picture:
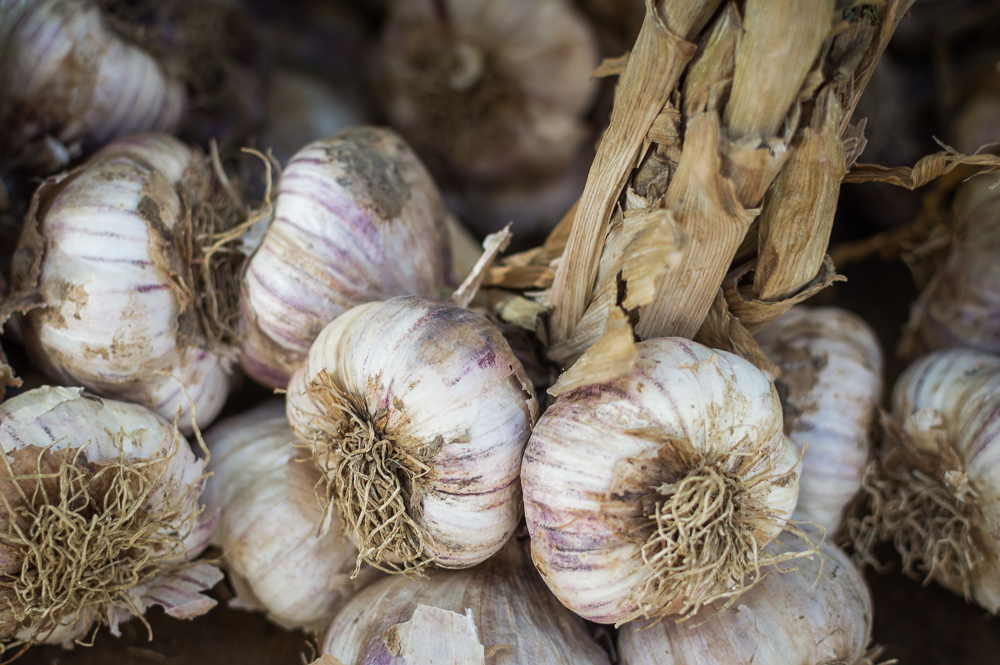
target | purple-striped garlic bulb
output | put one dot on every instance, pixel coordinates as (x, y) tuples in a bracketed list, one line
[(498, 613), (816, 610), (487, 89), (132, 306), (357, 218), (270, 523), (72, 83), (933, 489), (417, 414), (654, 493), (100, 517), (830, 388)]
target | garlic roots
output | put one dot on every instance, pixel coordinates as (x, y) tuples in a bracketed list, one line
[(100, 517), (830, 387), (357, 218), (417, 414), (653, 494)]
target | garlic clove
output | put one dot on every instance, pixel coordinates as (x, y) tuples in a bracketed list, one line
[(357, 218), (424, 406), (618, 478)]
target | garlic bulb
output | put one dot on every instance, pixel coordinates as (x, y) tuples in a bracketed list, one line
[(487, 89), (830, 387), (498, 612), (103, 519), (269, 523), (652, 494), (817, 611), (357, 218), (130, 310), (934, 489), (417, 413), (71, 83)]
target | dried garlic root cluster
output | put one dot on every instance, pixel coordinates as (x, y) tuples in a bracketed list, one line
[(100, 517)]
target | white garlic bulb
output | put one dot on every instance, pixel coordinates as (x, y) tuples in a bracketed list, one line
[(499, 612), (113, 260), (357, 218), (270, 521), (934, 489), (817, 611), (487, 89), (103, 521), (417, 413), (71, 83), (652, 494), (830, 387)]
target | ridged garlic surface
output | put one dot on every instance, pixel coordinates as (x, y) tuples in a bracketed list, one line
[(269, 523), (487, 89), (830, 387), (417, 413), (71, 83), (651, 494), (114, 525), (817, 611), (119, 313), (357, 218), (498, 613)]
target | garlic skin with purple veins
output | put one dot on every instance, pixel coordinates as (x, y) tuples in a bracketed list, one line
[(817, 611), (108, 517), (357, 218), (652, 494), (129, 310), (417, 414), (269, 523), (830, 387), (71, 83)]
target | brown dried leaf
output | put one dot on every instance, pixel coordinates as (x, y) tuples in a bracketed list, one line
[(722, 330), (611, 66), (492, 246), (927, 168), (611, 356)]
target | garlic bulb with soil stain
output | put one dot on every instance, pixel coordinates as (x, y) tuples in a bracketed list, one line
[(100, 517), (830, 388), (72, 83), (132, 304), (269, 523), (653, 494), (816, 611), (933, 489), (417, 414), (357, 218), (499, 612), (487, 89)]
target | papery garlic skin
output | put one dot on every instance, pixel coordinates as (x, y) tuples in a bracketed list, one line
[(107, 431), (269, 523), (444, 382), (830, 387), (116, 317), (948, 401), (498, 612), (357, 218), (71, 83), (591, 463), (817, 611)]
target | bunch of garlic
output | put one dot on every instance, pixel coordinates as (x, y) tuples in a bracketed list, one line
[(100, 517), (653, 494), (830, 387), (131, 307), (417, 414), (269, 524), (357, 218), (499, 612), (818, 610), (933, 489), (71, 83), (487, 89)]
